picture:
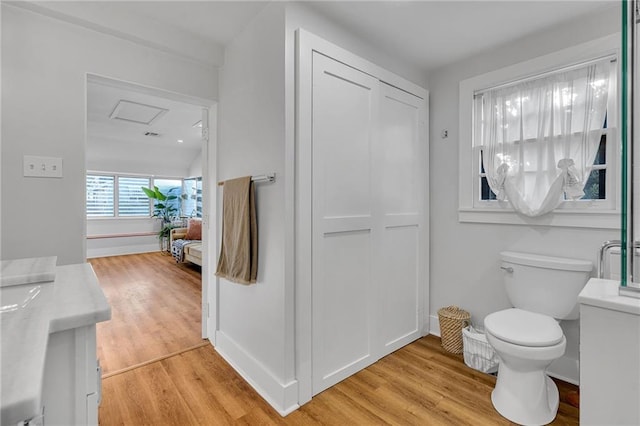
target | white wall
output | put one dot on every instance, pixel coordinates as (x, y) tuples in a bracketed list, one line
[(44, 67), (300, 15), (111, 155), (464, 256), (251, 323), (195, 169)]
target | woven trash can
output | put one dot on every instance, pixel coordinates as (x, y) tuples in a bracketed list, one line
[(452, 321)]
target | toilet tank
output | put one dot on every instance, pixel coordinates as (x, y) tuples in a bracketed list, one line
[(545, 284)]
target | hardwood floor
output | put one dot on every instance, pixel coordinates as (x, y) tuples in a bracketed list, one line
[(420, 384), (155, 305)]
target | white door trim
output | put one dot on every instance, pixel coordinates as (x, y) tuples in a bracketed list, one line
[(210, 282)]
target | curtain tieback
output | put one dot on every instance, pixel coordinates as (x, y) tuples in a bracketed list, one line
[(572, 186), (501, 177)]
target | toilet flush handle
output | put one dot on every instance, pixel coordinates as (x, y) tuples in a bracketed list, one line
[(509, 269)]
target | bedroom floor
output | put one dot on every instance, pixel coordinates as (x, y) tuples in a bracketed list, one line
[(156, 309)]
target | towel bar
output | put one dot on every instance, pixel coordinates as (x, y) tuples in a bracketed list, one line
[(271, 177)]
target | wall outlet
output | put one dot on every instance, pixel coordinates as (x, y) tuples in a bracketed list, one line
[(34, 166)]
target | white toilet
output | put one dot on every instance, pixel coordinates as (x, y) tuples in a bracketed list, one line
[(527, 337)]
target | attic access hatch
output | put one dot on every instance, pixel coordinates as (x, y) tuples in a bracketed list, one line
[(134, 112)]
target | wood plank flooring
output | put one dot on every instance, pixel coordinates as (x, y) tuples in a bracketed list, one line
[(420, 384), (155, 308)]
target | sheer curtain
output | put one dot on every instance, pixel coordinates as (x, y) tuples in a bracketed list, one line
[(540, 137)]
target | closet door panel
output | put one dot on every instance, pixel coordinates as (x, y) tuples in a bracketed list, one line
[(342, 134), (398, 287), (399, 162), (400, 152), (344, 337), (343, 293)]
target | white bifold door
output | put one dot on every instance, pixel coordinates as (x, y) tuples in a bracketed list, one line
[(369, 242)]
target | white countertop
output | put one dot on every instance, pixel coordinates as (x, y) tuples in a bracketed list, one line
[(30, 313), (27, 271), (604, 294)]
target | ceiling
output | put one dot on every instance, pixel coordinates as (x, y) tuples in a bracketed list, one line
[(432, 34), (115, 140), (428, 34)]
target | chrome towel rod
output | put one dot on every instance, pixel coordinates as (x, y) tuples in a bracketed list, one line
[(271, 177)]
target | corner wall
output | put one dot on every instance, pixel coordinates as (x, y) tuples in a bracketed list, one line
[(44, 67), (251, 319), (465, 256)]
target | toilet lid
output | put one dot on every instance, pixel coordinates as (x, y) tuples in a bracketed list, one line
[(523, 328)]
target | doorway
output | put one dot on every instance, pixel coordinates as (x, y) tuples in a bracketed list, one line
[(143, 137)]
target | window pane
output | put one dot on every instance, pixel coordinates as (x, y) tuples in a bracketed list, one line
[(171, 187), (601, 156), (595, 189), (131, 200), (485, 190), (100, 196), (192, 198)]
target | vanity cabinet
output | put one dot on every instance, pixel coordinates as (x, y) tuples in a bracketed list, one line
[(609, 353), (49, 372), (72, 378)]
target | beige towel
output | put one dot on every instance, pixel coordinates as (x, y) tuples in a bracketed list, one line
[(238, 260)]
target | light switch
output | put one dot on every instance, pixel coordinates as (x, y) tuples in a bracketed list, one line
[(34, 166)]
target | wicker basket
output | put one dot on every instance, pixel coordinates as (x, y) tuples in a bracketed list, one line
[(478, 353), (452, 321)]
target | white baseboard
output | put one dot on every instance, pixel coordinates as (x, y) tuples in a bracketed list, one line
[(565, 368), (434, 325), (121, 250), (282, 397)]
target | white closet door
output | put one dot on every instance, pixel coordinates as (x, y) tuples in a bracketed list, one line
[(399, 162), (345, 103)]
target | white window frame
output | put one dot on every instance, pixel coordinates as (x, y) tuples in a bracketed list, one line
[(603, 214)]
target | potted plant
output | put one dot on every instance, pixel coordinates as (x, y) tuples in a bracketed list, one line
[(164, 210)]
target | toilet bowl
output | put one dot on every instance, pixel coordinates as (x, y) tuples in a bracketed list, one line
[(527, 337), (526, 343)]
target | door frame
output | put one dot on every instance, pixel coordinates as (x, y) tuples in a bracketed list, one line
[(301, 163), (209, 150)]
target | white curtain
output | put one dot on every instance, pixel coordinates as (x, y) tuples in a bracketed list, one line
[(540, 137)]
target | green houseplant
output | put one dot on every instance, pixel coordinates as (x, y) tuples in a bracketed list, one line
[(163, 209)]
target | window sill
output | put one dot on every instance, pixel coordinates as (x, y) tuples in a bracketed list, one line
[(603, 219), (99, 218)]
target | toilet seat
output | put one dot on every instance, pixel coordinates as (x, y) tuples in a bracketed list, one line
[(524, 328)]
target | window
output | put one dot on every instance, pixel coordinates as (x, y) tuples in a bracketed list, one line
[(113, 195), (594, 189), (597, 208), (131, 200), (171, 187), (100, 196)]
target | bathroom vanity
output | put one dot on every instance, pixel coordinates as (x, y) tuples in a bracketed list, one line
[(609, 354), (49, 368)]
